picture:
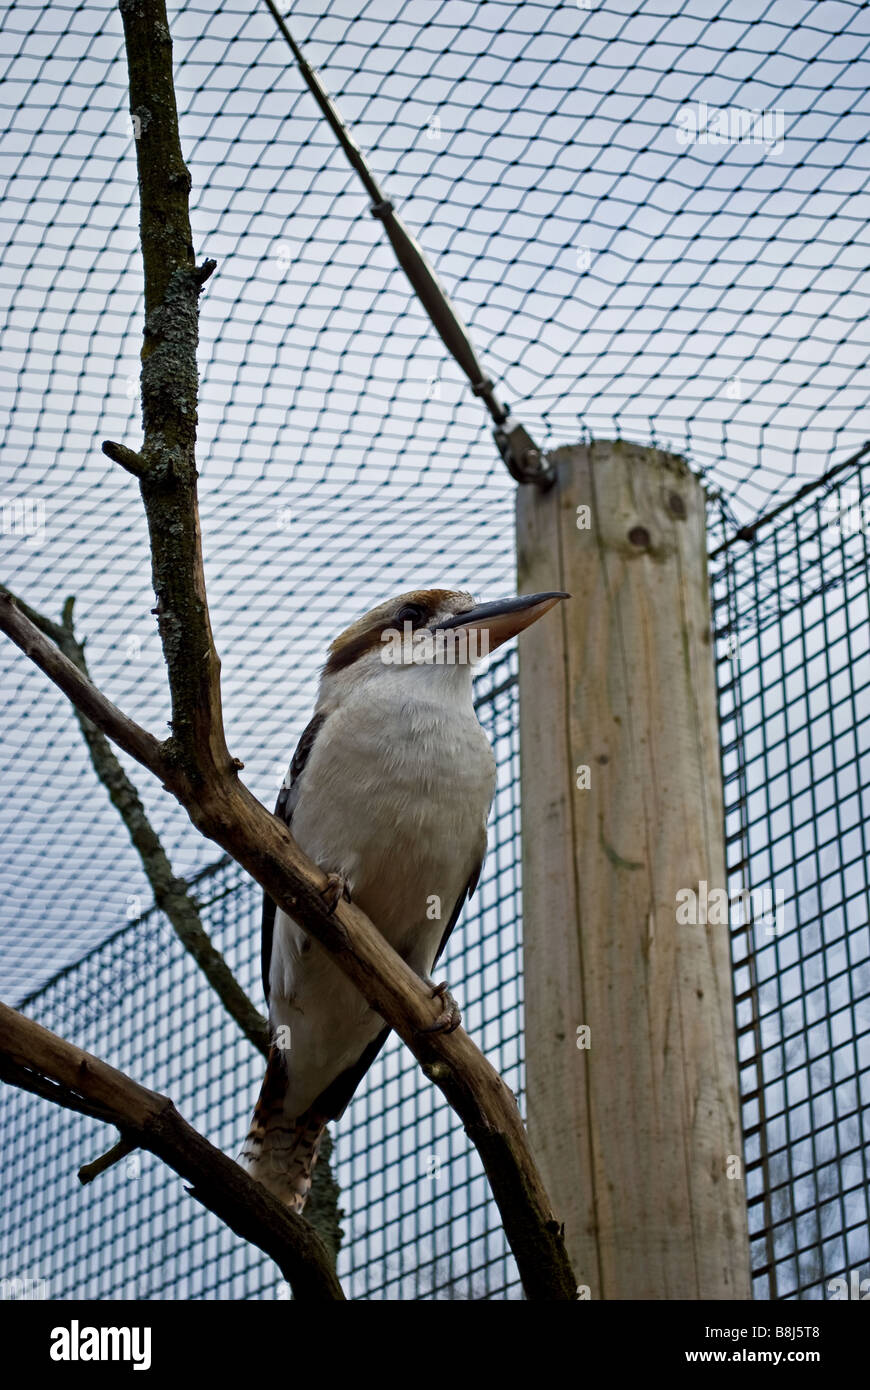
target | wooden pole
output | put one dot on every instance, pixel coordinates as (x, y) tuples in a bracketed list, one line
[(632, 1087)]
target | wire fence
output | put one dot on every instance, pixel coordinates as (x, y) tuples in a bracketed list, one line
[(633, 257), (793, 625)]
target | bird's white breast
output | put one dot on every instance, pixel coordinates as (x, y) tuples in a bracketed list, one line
[(395, 795)]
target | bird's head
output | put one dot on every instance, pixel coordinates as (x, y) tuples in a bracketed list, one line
[(430, 629)]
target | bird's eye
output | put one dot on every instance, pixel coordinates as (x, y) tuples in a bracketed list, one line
[(411, 613)]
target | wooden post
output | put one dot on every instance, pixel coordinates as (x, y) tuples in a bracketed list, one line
[(635, 1122)]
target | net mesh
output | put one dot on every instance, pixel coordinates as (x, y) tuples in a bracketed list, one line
[(617, 276), (651, 220)]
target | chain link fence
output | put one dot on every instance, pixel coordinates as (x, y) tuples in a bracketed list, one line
[(793, 625), (651, 223)]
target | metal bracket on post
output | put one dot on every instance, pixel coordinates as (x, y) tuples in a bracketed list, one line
[(523, 458)]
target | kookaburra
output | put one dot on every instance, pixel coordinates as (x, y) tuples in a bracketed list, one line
[(389, 792)]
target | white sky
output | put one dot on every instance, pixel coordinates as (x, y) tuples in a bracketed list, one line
[(612, 280)]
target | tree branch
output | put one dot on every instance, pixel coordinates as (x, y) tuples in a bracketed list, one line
[(128, 458), (41, 1062), (141, 745), (170, 893), (115, 1154), (169, 395), (223, 809)]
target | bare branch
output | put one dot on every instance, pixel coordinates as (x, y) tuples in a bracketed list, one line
[(128, 458), (169, 394), (43, 652), (224, 810), (171, 894), (173, 898), (33, 1057)]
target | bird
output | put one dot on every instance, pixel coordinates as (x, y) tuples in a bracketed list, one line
[(389, 792)]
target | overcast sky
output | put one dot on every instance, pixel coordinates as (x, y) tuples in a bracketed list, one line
[(704, 296)]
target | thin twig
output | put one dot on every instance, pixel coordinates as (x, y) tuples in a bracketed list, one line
[(141, 745), (173, 897), (170, 893), (115, 1154)]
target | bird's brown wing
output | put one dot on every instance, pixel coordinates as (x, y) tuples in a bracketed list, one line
[(335, 1099), (460, 903), (284, 807)]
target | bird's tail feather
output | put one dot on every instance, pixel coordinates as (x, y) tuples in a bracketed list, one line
[(279, 1151)]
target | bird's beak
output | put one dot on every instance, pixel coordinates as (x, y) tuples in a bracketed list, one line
[(504, 618)]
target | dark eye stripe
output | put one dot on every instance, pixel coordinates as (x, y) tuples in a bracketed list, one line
[(411, 612)]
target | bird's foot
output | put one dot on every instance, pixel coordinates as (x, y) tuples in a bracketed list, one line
[(450, 1018), (336, 889)]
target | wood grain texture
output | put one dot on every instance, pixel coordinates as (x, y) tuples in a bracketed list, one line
[(634, 1134)]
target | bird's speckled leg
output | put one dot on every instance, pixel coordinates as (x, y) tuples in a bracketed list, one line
[(450, 1018)]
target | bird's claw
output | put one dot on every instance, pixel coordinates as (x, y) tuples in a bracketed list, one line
[(336, 889), (450, 1018)]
